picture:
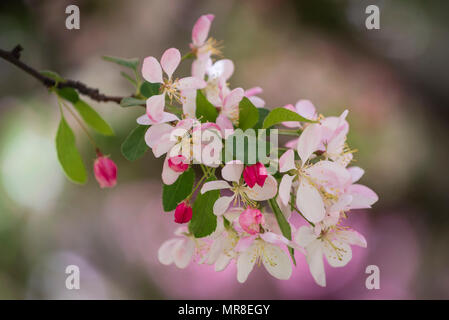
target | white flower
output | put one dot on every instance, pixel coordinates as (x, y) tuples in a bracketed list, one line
[(333, 243), (179, 251), (232, 172)]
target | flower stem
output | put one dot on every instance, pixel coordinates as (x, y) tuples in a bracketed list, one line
[(290, 132)]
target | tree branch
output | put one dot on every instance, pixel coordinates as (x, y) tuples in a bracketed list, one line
[(13, 57)]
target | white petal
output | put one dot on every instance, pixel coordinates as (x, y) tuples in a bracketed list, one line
[(329, 174), (156, 132), (315, 260), (287, 161), (183, 253), (266, 192), (304, 236), (309, 202), (222, 262), (245, 263), (215, 185), (234, 98), (232, 171), (169, 176), (352, 237), (165, 253), (306, 109), (285, 209), (199, 67), (191, 83), (308, 142), (155, 107), (151, 70), (356, 173), (342, 204), (189, 104), (285, 188), (166, 117), (362, 196), (257, 101), (339, 254), (170, 61), (222, 204), (215, 250), (222, 69), (277, 262)]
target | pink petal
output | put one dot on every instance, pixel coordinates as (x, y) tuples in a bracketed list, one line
[(170, 61), (169, 176), (329, 174), (151, 70), (191, 83), (233, 98), (257, 102), (362, 196), (167, 117), (291, 124), (225, 124), (306, 109), (356, 173), (287, 161), (155, 107), (201, 29), (308, 142), (156, 132), (253, 91)]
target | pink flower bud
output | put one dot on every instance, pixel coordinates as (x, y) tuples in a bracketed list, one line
[(178, 163), (257, 173), (183, 213), (250, 220), (105, 171)]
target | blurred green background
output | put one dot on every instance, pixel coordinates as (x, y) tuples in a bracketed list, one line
[(394, 81)]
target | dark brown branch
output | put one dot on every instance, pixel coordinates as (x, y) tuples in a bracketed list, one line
[(13, 57)]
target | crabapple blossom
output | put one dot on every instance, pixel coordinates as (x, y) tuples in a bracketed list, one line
[(183, 213), (256, 173), (252, 93), (250, 220), (179, 251), (334, 243)]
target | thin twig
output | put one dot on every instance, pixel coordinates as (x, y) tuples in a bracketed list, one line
[(13, 57)]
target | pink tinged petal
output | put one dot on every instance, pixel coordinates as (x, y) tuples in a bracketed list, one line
[(215, 250), (151, 70), (308, 142), (215, 185), (178, 163), (155, 108), (183, 253), (291, 124), (233, 98), (169, 176), (156, 132), (304, 236), (166, 117), (362, 196), (224, 123), (244, 243), (306, 109), (339, 254), (189, 104), (284, 189), (200, 30), (266, 192), (191, 83), (329, 174), (342, 204), (356, 173), (222, 204), (200, 66), (222, 69), (315, 261), (287, 161), (105, 172), (250, 220), (274, 238), (336, 145), (232, 171), (277, 262), (257, 102), (170, 61), (352, 237), (309, 202), (245, 263), (222, 262), (165, 252), (253, 91)]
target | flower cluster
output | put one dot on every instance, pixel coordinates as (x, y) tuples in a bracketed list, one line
[(235, 210)]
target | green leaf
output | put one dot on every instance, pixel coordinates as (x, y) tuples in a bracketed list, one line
[(283, 225), (279, 115), (52, 75), (178, 191), (134, 145), (248, 114), (68, 94), (148, 89), (205, 111), (68, 154), (204, 221), (128, 77), (131, 102), (262, 115), (129, 63), (92, 118)]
